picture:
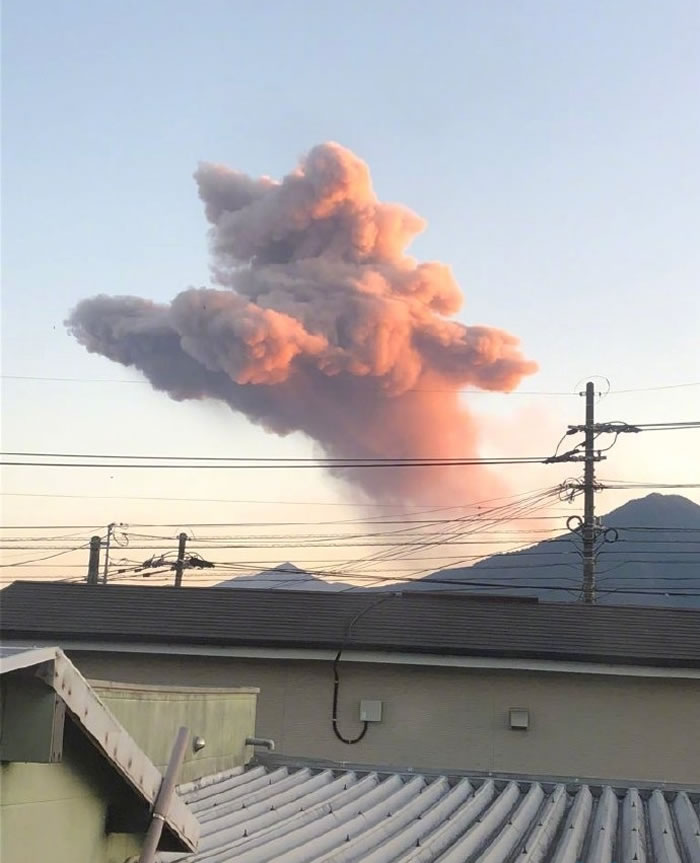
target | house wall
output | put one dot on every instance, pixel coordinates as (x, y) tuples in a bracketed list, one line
[(152, 715), (581, 725), (58, 811)]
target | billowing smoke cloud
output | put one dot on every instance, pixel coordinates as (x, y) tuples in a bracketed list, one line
[(321, 324)]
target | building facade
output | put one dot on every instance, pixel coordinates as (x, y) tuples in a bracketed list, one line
[(598, 723), (406, 681)]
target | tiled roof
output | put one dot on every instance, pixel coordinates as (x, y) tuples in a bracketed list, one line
[(271, 813), (409, 622)]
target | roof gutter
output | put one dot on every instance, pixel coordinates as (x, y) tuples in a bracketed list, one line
[(377, 657)]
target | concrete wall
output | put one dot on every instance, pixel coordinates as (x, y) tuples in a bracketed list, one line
[(587, 726), (152, 715), (58, 812)]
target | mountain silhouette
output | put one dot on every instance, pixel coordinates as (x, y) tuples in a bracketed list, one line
[(285, 576), (648, 553)]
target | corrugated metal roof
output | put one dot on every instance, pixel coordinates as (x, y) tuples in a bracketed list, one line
[(270, 813), (15, 658), (411, 622)]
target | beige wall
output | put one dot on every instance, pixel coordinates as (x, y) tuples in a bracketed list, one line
[(58, 811), (152, 715), (581, 725)]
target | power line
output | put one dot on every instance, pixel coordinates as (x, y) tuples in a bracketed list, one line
[(186, 523), (58, 538), (309, 576), (249, 569), (438, 586), (48, 556), (670, 426), (478, 514), (249, 524), (400, 582), (617, 427), (259, 462), (330, 542), (357, 505), (73, 380), (417, 389), (470, 390), (410, 390), (614, 485), (287, 466), (452, 531), (655, 388), (465, 525)]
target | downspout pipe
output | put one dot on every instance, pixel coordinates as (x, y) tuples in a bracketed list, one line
[(264, 742)]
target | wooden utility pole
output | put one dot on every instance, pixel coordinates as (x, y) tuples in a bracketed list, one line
[(180, 562), (589, 526), (93, 573)]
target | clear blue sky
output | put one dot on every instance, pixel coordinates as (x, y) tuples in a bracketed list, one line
[(552, 147)]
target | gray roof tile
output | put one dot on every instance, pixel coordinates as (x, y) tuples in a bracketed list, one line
[(410, 622), (290, 815)]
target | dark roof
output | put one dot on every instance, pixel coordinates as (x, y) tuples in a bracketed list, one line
[(410, 622)]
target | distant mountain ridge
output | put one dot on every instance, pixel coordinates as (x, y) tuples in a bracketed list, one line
[(286, 576), (653, 560)]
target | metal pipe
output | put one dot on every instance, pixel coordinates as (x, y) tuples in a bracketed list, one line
[(164, 796), (265, 742)]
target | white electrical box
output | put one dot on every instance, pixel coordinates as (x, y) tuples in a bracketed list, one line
[(370, 711), (519, 718)]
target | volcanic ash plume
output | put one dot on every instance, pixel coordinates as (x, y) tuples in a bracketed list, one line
[(321, 324)]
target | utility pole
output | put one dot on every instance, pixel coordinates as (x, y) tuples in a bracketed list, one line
[(110, 528), (93, 573), (180, 562), (589, 525)]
